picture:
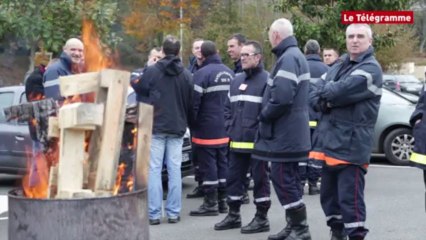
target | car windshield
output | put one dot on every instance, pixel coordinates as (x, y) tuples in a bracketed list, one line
[(407, 79)]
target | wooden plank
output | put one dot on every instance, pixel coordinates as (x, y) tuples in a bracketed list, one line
[(53, 182), (112, 129), (81, 115), (79, 83), (95, 143), (145, 121), (53, 129), (71, 157)]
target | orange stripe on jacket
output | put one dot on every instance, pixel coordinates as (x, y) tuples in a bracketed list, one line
[(329, 160), (210, 141)]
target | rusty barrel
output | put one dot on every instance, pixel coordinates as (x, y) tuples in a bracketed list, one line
[(118, 217)]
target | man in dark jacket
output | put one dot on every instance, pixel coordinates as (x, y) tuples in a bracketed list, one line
[(242, 109), (283, 134), (195, 64), (197, 60), (168, 86), (211, 87), (418, 121), (311, 170), (154, 55), (349, 101), (330, 56), (235, 43), (69, 62)]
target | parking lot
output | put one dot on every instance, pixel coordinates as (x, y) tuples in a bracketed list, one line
[(395, 210)]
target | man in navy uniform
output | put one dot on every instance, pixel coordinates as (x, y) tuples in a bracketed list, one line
[(283, 135), (241, 112), (349, 101), (211, 86)]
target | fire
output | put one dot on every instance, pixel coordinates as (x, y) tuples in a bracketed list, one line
[(120, 173), (97, 56), (36, 180)]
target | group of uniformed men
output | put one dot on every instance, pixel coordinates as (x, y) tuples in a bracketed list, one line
[(264, 120)]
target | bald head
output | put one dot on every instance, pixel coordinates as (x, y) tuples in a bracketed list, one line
[(280, 29), (74, 48)]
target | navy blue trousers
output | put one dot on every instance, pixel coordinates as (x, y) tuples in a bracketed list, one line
[(310, 170), (239, 163), (342, 198), (213, 166), (286, 181)]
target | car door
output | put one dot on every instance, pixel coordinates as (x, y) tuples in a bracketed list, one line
[(7, 133), (23, 143)]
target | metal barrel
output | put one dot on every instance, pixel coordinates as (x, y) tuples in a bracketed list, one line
[(124, 216)]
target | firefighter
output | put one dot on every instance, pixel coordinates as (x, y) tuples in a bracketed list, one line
[(283, 136), (241, 112), (311, 170), (349, 101), (418, 121), (211, 86)]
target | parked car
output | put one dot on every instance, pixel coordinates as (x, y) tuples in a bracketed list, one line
[(15, 141), (392, 131), (403, 83)]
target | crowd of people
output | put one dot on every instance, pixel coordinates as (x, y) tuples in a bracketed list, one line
[(307, 119)]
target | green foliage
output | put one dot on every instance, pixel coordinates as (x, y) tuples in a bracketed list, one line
[(321, 19), (225, 18), (51, 23)]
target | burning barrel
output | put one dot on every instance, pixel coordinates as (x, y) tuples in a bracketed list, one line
[(123, 216)]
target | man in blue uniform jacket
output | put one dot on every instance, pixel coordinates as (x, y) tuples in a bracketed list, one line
[(241, 111)]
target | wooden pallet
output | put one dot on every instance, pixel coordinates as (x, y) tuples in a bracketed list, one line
[(105, 118)]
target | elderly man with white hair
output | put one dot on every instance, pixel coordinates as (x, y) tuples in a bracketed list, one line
[(349, 101), (283, 137)]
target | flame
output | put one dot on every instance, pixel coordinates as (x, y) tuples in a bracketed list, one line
[(129, 183), (36, 96), (120, 173), (97, 56), (36, 180)]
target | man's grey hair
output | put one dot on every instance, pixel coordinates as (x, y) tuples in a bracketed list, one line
[(312, 47), (361, 25), (283, 26)]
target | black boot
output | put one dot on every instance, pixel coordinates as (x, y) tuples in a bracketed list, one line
[(196, 193), (299, 224), (356, 238), (285, 232), (338, 234), (313, 189), (209, 206), (232, 220), (223, 206), (260, 223)]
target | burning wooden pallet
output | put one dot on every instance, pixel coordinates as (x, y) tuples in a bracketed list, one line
[(82, 173)]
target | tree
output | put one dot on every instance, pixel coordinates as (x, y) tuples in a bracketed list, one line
[(47, 24), (155, 18), (320, 19)]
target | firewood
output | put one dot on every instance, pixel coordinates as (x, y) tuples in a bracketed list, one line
[(145, 121), (112, 128), (81, 116)]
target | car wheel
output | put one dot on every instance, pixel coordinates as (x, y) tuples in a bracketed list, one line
[(398, 145)]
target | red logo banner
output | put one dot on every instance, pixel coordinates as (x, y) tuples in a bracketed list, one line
[(377, 17)]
